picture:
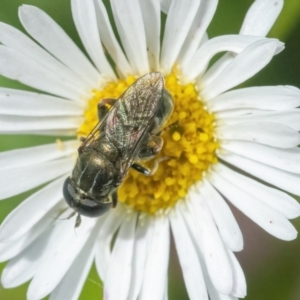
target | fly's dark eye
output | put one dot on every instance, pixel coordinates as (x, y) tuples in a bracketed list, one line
[(90, 208), (68, 192), (86, 207)]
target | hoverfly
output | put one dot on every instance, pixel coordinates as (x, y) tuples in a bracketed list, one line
[(128, 132)]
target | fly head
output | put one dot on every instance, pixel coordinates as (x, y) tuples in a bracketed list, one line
[(81, 202)]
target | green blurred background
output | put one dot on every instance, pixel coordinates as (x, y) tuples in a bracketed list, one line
[(271, 266)]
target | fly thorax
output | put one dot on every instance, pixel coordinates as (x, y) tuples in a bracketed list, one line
[(94, 174), (108, 149)]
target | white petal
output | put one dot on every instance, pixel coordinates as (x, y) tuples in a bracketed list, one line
[(232, 113), (216, 69), (61, 251), (130, 25), (290, 118), (113, 220), (71, 285), (51, 132), (271, 134), (15, 39), (120, 262), (11, 249), (200, 60), (239, 288), (276, 199), (109, 40), (188, 256), (243, 66), (151, 15), (198, 29), (259, 20), (23, 267), (20, 179), (213, 293), (281, 179), (204, 39), (143, 239), (22, 103), (84, 17), (264, 97), (17, 66), (33, 155), (165, 5), (166, 292), (210, 242), (227, 225), (19, 124), (51, 36), (179, 20), (266, 217), (261, 16), (155, 277), (284, 159), (35, 206)]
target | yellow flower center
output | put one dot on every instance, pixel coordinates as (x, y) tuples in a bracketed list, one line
[(190, 146)]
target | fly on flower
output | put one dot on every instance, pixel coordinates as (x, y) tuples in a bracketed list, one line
[(128, 131), (235, 143)]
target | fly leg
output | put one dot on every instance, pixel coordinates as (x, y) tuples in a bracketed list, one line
[(72, 214), (104, 106), (151, 148), (154, 144), (78, 221), (172, 125), (146, 171), (148, 151), (114, 198)]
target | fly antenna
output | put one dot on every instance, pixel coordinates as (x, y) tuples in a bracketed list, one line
[(78, 220), (67, 218)]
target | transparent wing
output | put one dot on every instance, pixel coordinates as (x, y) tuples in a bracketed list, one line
[(95, 133), (130, 120)]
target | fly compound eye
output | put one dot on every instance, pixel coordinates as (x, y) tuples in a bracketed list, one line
[(90, 208), (68, 192)]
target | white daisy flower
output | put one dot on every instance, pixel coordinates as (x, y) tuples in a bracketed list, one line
[(240, 145)]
